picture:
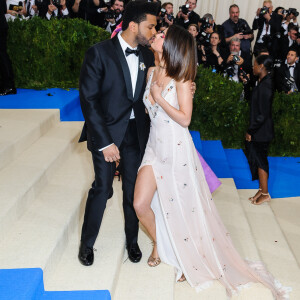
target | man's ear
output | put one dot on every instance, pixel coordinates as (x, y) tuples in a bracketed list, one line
[(133, 27)]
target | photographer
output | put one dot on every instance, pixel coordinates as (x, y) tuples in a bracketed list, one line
[(290, 17), (166, 17), (237, 66), (235, 27), (78, 9), (213, 55), (186, 14), (268, 25), (57, 9), (287, 77), (292, 39), (15, 9)]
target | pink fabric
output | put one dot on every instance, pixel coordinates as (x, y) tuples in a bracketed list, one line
[(211, 178), (118, 29)]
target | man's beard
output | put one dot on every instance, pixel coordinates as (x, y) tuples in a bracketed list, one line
[(142, 40)]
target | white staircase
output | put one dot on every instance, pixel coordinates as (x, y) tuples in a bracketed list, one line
[(44, 179)]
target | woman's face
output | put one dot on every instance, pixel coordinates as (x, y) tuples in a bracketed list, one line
[(214, 39), (257, 68), (158, 42), (193, 31)]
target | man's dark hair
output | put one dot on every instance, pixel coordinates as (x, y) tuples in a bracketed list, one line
[(294, 48), (263, 50), (165, 4), (233, 5), (292, 26), (136, 12), (114, 1)]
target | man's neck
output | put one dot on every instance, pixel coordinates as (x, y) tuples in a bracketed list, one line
[(129, 38)]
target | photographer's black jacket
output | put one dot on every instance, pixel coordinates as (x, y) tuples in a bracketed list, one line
[(194, 18), (3, 9), (284, 47), (275, 23), (261, 126)]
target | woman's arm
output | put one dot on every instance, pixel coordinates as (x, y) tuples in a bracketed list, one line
[(182, 115)]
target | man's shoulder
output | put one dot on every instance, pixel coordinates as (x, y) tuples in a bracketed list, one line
[(227, 22)]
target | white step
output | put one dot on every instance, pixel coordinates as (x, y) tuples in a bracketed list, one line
[(39, 237), (287, 213), (69, 274), (271, 243), (19, 128), (23, 179)]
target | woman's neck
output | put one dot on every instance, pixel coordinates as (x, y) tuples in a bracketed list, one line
[(262, 75)]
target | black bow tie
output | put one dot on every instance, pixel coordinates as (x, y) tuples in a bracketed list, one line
[(291, 67), (129, 51)]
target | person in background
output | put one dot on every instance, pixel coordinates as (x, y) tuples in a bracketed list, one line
[(7, 86), (190, 17), (261, 130)]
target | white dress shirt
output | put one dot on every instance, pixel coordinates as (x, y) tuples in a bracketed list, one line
[(264, 32), (133, 65)]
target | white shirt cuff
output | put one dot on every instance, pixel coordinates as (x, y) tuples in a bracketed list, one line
[(104, 147), (48, 16), (65, 11)]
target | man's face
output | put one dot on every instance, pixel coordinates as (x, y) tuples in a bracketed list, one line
[(235, 47), (291, 57), (192, 4), (269, 6), (293, 34), (146, 31), (169, 9), (234, 14), (118, 6)]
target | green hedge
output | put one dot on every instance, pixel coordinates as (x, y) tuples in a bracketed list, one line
[(220, 113), (50, 53)]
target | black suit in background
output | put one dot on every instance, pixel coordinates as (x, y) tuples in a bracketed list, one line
[(275, 23), (194, 18), (261, 126), (107, 100), (6, 71), (284, 47), (281, 76)]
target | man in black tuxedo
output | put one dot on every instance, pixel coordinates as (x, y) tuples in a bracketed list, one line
[(112, 83), (268, 24), (6, 71), (287, 77)]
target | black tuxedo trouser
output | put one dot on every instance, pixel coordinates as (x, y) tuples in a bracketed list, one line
[(6, 70), (101, 189)]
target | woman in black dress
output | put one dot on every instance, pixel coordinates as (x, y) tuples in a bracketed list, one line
[(261, 130)]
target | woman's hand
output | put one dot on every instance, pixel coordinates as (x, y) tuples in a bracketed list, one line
[(156, 90), (248, 137)]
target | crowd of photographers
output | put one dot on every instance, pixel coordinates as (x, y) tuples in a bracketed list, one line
[(225, 48)]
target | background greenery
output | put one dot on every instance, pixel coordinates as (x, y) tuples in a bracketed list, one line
[(49, 54)]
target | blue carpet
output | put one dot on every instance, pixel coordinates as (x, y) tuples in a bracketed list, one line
[(67, 101), (197, 140), (27, 284), (284, 174)]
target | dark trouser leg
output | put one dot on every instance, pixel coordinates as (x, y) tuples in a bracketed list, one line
[(130, 162), (6, 70), (100, 191)]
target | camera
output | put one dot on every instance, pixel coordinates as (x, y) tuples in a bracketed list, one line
[(15, 7), (110, 14), (290, 82), (243, 29), (184, 9), (56, 2), (205, 23), (230, 70), (203, 39), (163, 13), (264, 10), (293, 11), (244, 75)]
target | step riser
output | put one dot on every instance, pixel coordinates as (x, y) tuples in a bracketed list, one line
[(26, 199), (12, 152)]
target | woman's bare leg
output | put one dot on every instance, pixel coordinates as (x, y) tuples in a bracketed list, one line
[(145, 188), (263, 183)]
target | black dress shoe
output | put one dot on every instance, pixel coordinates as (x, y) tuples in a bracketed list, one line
[(86, 255), (134, 252), (10, 91)]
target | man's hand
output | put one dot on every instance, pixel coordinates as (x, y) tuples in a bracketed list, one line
[(51, 9), (112, 21), (241, 61), (230, 57), (258, 12), (167, 21), (248, 137), (34, 7), (298, 41), (239, 35), (267, 16), (111, 153), (185, 17)]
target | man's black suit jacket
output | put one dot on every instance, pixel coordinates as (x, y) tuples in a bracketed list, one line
[(261, 124), (275, 23), (282, 74), (3, 23), (284, 47), (106, 95), (194, 18)]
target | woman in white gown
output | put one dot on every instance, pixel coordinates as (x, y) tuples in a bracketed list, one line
[(172, 199)]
